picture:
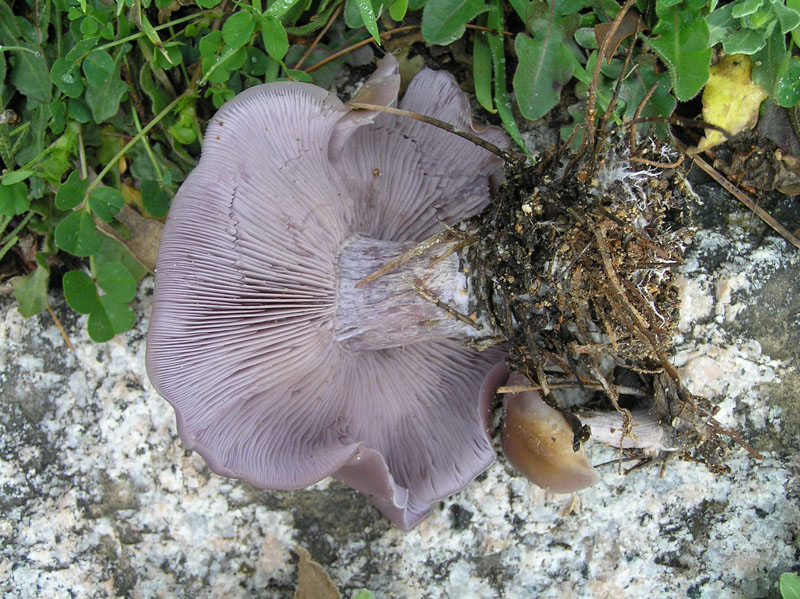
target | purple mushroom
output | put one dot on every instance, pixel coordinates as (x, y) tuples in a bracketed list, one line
[(280, 371)]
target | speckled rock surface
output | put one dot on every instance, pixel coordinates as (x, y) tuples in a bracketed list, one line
[(99, 498)]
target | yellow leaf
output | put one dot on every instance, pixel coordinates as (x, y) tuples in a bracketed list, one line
[(730, 99), (132, 197)]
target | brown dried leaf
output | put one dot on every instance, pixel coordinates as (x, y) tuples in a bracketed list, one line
[(145, 235), (312, 580), (631, 22), (400, 46), (787, 180)]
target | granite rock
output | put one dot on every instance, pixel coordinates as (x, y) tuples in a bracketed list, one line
[(100, 499)]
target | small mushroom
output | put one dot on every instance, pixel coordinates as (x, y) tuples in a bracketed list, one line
[(280, 370), (538, 441)]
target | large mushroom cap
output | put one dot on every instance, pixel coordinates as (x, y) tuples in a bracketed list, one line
[(241, 336)]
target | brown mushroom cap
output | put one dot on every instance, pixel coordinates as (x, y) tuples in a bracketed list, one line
[(537, 441)]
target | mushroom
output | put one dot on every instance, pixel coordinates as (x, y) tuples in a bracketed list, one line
[(281, 372), (538, 441)]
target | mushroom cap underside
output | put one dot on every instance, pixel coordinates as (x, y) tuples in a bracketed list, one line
[(240, 340)]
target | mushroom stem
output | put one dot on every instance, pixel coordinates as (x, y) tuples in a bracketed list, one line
[(389, 311), (648, 433)]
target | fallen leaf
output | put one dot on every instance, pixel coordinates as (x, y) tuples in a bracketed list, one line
[(312, 581), (144, 239), (775, 123), (787, 180), (400, 46), (631, 23), (730, 99)]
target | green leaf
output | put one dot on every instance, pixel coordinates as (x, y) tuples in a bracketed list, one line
[(157, 96), (634, 88), (744, 41), (104, 99), (71, 192), (545, 65), (155, 199), (89, 27), (790, 586), (31, 290), (298, 75), (142, 168), (278, 8), (771, 62), (168, 56), (276, 42), (79, 291), (352, 13), (105, 202), (113, 251), (3, 87), (257, 63), (398, 9), (78, 110), (16, 176), (58, 116), (318, 22), (109, 317), (210, 44), (14, 199), (98, 67), (764, 19), (720, 22), (683, 45), (116, 281), (223, 65), (31, 75), (497, 49), (207, 3), (67, 78), (788, 17), (78, 235), (238, 29), (586, 38), (444, 21), (742, 8), (369, 19), (795, 6), (81, 48), (482, 71), (787, 90)]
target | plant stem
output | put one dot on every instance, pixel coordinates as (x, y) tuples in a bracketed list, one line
[(147, 148), (82, 154), (20, 49), (135, 36), (136, 139), (11, 239), (220, 61)]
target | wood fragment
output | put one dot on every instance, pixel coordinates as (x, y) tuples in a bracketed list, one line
[(478, 141), (413, 252), (747, 201), (61, 329), (426, 294)]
